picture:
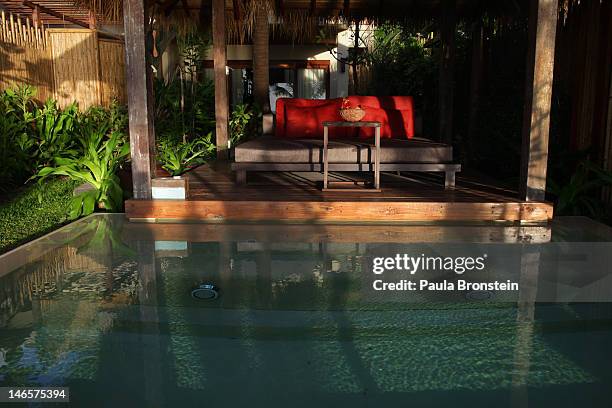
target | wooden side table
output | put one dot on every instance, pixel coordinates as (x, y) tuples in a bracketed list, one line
[(376, 126)]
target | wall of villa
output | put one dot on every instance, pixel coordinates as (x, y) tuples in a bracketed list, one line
[(338, 80), (338, 75)]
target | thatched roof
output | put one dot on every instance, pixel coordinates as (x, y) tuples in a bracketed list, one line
[(296, 18)]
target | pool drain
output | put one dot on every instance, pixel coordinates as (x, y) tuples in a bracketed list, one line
[(206, 291)]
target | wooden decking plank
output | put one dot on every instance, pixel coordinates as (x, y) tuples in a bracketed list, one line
[(298, 197), (313, 211)]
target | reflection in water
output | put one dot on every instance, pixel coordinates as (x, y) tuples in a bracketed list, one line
[(105, 307)]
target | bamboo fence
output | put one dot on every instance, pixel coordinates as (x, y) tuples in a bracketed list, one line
[(64, 64)]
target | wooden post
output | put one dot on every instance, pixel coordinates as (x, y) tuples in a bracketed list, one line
[(154, 345), (220, 62), (36, 16), (92, 20), (525, 322), (538, 96), (448, 21), (138, 80), (475, 81), (261, 58)]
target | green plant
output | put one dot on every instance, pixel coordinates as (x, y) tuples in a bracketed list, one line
[(115, 115), (25, 216), (54, 133), (12, 165), (102, 156), (183, 108), (580, 194), (177, 158), (243, 123), (15, 142), (184, 102), (20, 103)]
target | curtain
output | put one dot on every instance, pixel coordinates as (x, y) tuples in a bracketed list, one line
[(311, 83)]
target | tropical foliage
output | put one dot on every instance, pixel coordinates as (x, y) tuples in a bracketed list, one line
[(185, 100), (177, 158), (244, 123), (185, 110), (97, 166), (580, 192), (53, 135), (401, 62), (40, 141)]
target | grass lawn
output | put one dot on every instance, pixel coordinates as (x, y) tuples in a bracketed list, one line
[(23, 217)]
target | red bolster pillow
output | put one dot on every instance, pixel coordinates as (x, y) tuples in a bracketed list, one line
[(307, 122), (395, 123), (281, 115)]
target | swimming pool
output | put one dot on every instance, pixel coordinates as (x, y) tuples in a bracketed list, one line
[(105, 308)]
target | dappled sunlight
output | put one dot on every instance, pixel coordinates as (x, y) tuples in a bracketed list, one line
[(68, 65), (295, 315)]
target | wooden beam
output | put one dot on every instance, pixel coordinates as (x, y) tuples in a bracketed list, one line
[(54, 13), (448, 22), (138, 80), (538, 97), (37, 9), (220, 62), (337, 211)]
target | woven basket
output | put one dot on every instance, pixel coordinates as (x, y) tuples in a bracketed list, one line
[(352, 114)]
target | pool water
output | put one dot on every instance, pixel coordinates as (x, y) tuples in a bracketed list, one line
[(104, 307)]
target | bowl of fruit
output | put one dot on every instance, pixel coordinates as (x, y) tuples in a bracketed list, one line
[(350, 113)]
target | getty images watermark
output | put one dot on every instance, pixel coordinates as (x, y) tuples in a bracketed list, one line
[(413, 265)]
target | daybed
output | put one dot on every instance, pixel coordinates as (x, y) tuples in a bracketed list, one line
[(295, 142)]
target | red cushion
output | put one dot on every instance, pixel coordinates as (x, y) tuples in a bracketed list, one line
[(398, 125), (384, 102), (307, 122), (280, 129), (394, 123)]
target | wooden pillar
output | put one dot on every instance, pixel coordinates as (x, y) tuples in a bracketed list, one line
[(138, 80), (525, 323), (92, 20), (220, 63), (538, 96), (475, 81), (36, 17), (153, 349), (261, 63), (448, 21)]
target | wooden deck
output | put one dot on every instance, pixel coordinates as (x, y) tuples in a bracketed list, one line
[(297, 197)]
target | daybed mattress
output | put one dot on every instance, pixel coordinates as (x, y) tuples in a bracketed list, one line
[(269, 149)]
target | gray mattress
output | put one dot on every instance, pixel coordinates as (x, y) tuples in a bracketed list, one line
[(269, 149)]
